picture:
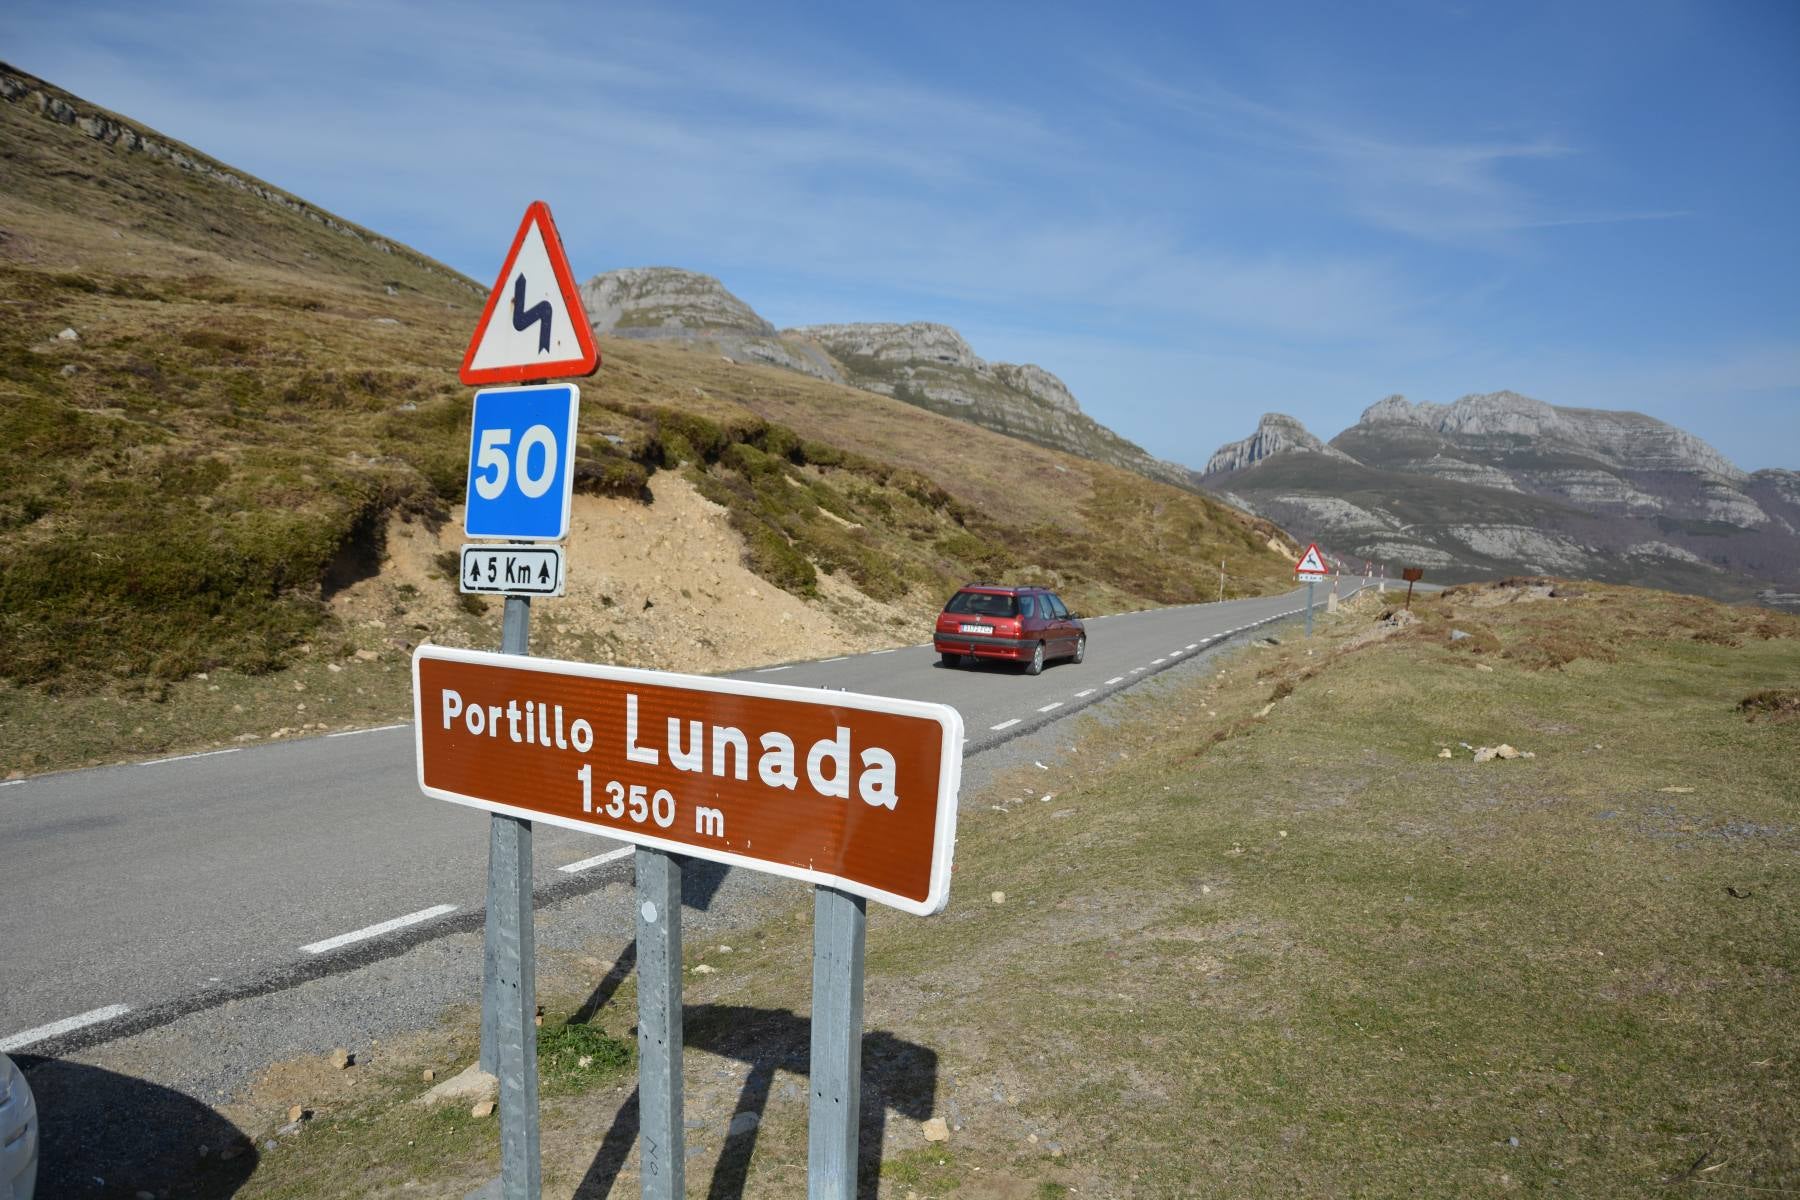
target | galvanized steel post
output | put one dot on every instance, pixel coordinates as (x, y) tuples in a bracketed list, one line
[(1309, 602), (661, 1159), (840, 921), (509, 973)]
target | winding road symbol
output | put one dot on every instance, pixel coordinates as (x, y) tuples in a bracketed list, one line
[(539, 314)]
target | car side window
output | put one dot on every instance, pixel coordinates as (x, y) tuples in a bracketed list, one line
[(1057, 608), (1028, 605)]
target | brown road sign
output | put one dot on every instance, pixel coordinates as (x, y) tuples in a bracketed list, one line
[(853, 792)]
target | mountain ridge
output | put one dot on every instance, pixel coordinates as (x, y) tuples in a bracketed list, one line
[(924, 363), (1500, 481)]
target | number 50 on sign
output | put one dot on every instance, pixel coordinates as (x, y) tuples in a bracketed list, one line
[(522, 462)]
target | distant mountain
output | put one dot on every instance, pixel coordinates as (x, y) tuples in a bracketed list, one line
[(1502, 483), (924, 364)]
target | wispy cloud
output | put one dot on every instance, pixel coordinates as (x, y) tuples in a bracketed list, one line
[(1442, 191)]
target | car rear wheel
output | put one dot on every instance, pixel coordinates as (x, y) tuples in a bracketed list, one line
[(1036, 666), (1081, 647), (949, 659)]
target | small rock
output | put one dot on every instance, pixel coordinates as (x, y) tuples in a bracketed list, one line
[(334, 668), (1444, 753), (428, 1075), (1206, 889), (69, 370), (366, 656), (998, 897), (1032, 1138), (342, 1058), (1486, 754), (1457, 635), (291, 1128), (1505, 751), (585, 1061), (1484, 667), (703, 969), (469, 1084), (68, 335), (724, 949), (1512, 1141), (935, 1130), (295, 1112), (742, 1122), (1267, 709), (483, 1109)]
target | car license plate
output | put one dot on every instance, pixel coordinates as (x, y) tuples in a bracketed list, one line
[(978, 629)]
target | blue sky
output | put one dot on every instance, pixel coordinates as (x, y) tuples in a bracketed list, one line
[(1194, 213)]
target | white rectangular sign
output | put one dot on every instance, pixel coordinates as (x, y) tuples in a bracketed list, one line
[(513, 570)]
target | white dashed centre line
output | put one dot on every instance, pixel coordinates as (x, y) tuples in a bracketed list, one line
[(597, 860), (1048, 707), (1113, 680), (1154, 661), (1137, 670), (1089, 692), (1004, 725), (29, 1037), (363, 934)]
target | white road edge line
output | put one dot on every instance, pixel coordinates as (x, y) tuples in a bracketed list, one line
[(772, 670), (1113, 680), (1004, 725), (157, 762), (19, 1041), (1048, 707), (597, 860), (1191, 645), (873, 653), (344, 939), (377, 729), (839, 658), (1154, 661)]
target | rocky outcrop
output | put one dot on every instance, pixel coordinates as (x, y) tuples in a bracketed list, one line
[(1500, 482), (932, 366), (1625, 440), (670, 304), (1275, 433)]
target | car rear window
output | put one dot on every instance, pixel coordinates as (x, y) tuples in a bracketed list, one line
[(982, 604)]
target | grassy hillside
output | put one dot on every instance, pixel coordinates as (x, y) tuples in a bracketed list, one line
[(253, 389)]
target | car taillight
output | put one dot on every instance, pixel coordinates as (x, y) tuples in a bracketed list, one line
[(1005, 625)]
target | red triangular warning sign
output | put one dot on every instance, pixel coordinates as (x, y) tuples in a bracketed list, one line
[(1312, 562), (533, 326)]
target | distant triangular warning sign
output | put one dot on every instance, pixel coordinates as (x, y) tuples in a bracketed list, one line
[(1312, 562), (533, 326)]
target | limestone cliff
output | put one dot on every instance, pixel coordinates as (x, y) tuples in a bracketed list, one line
[(1500, 482)]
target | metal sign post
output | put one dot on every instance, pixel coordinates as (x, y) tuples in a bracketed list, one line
[(662, 1157), (521, 464), (834, 1113), (1412, 575), (1309, 603)]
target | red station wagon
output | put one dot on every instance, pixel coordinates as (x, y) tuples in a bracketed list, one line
[(1018, 624)]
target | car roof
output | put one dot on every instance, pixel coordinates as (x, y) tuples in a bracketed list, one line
[(1001, 589)]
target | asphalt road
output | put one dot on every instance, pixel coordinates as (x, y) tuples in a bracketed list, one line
[(134, 894)]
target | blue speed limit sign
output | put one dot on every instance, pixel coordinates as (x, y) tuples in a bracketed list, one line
[(522, 462)]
